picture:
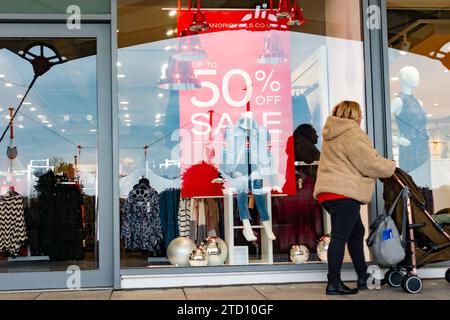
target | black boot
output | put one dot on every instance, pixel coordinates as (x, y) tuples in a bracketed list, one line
[(362, 281), (339, 289)]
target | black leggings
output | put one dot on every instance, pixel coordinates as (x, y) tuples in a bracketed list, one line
[(346, 228)]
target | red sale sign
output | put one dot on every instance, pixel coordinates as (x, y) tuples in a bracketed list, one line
[(243, 71)]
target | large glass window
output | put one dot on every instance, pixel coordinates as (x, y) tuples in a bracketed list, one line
[(419, 62), (222, 104), (48, 163)]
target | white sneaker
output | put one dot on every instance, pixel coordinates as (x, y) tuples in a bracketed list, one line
[(268, 229), (249, 235)]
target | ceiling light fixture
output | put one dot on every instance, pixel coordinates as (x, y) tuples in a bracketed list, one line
[(2, 76), (9, 84), (121, 76), (199, 22), (273, 51), (160, 95), (284, 9), (33, 109), (172, 13), (296, 18), (179, 75), (189, 47)]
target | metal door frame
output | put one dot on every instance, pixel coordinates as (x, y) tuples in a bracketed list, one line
[(104, 275)]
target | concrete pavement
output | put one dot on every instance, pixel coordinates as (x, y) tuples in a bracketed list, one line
[(433, 290)]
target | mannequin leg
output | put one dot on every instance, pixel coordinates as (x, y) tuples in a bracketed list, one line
[(244, 214), (261, 205)]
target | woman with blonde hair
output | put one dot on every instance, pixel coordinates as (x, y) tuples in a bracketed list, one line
[(348, 169)]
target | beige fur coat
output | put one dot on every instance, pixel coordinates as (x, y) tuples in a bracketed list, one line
[(349, 165)]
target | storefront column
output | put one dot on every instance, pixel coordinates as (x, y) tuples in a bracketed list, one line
[(378, 119)]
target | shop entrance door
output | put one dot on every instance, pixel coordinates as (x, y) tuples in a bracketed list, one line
[(56, 219)]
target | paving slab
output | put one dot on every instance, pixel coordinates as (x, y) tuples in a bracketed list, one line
[(153, 294), (19, 295), (223, 293), (75, 295), (304, 291)]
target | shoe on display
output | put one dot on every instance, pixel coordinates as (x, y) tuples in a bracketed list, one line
[(340, 289)]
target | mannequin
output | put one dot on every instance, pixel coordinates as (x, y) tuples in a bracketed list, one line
[(245, 170), (411, 120)]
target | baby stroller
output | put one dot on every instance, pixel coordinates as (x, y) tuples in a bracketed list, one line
[(426, 240)]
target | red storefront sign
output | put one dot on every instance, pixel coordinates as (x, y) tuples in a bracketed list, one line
[(247, 67)]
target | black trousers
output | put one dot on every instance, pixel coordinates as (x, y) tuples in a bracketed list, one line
[(346, 228)]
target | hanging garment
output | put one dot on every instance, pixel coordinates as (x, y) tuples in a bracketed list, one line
[(248, 152), (169, 204), (412, 123), (90, 220), (212, 218), (184, 217), (194, 220), (198, 220), (64, 234), (301, 112), (59, 218), (141, 225), (297, 219), (13, 232)]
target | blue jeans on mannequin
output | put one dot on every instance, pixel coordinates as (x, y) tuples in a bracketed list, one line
[(261, 205), (243, 185)]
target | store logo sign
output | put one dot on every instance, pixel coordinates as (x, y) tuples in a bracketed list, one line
[(74, 18), (73, 281), (374, 17)]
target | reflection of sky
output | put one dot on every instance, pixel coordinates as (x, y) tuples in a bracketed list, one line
[(60, 111)]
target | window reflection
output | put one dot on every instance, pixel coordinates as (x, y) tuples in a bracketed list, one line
[(51, 153), (182, 95)]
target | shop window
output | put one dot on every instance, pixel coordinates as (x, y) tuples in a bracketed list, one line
[(203, 89), (48, 166), (419, 62)]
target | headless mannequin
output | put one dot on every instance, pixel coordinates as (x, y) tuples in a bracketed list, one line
[(412, 122), (248, 231), (409, 80)]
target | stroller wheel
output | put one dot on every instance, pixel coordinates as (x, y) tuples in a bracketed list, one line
[(412, 284), (447, 275), (394, 278)]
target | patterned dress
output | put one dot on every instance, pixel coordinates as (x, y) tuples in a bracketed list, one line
[(141, 224), (13, 232)]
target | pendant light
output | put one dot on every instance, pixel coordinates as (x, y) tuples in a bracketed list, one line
[(189, 47), (284, 9), (199, 22), (296, 18), (179, 75), (273, 51)]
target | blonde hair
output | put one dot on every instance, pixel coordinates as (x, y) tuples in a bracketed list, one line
[(348, 110)]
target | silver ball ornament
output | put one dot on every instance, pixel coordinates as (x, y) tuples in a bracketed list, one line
[(322, 247), (216, 249), (299, 254), (198, 258), (178, 251)]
